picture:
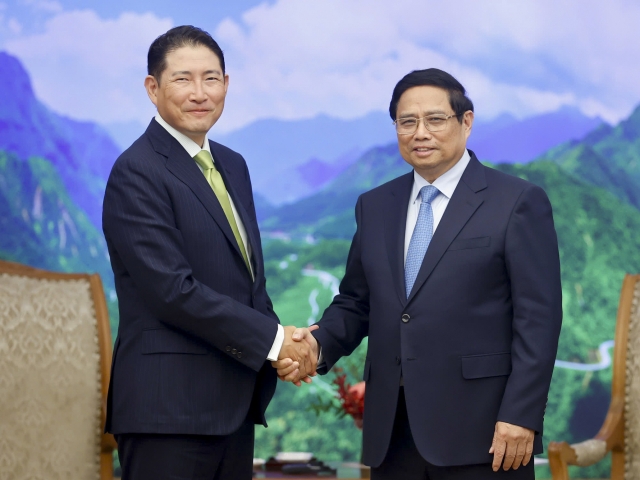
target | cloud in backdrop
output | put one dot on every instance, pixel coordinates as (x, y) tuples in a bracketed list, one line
[(293, 59), (90, 68)]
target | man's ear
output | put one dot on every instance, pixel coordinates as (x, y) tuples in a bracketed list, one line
[(467, 122), (151, 85)]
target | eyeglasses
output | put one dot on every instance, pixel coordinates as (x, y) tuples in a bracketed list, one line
[(433, 123)]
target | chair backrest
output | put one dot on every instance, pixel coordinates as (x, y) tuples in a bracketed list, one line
[(629, 314), (55, 351)]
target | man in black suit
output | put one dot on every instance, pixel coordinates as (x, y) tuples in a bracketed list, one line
[(190, 376), (454, 276)]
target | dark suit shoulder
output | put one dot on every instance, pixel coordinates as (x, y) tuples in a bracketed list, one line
[(231, 160), (507, 182), (224, 149), (398, 184), (229, 154), (140, 155)]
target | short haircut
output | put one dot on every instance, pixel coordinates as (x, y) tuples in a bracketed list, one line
[(434, 77), (178, 37)]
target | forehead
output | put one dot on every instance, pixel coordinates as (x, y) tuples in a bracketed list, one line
[(424, 99), (190, 58)]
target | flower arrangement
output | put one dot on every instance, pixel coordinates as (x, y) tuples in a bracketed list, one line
[(349, 399)]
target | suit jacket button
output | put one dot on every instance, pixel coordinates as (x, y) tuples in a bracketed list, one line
[(234, 351), (239, 355), (406, 318), (228, 349), (397, 360)]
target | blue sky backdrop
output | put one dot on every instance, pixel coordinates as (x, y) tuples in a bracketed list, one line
[(295, 59)]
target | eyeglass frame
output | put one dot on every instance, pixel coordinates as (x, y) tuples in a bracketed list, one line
[(425, 123)]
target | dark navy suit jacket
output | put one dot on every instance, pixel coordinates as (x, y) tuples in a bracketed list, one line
[(195, 330), (476, 340)]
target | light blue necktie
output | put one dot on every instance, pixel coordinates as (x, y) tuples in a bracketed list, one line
[(421, 237)]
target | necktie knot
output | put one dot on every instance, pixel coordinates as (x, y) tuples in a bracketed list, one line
[(204, 159), (428, 193)]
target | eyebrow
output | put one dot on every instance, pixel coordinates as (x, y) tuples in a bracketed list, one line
[(187, 72), (430, 112)]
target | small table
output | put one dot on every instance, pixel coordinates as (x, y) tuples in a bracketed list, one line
[(346, 471)]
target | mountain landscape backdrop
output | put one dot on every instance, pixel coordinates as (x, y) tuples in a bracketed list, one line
[(307, 176)]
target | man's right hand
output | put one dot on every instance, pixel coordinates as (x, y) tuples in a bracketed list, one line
[(298, 356)]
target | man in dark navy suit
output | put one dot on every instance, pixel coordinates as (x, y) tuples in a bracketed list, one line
[(190, 375), (454, 276)]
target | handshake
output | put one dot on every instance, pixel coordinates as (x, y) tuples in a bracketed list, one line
[(298, 356)]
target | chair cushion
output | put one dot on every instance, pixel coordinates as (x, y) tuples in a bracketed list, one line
[(50, 397)]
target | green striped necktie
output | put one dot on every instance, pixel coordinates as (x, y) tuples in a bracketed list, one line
[(214, 178)]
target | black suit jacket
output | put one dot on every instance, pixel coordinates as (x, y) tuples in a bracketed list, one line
[(195, 330), (476, 340)]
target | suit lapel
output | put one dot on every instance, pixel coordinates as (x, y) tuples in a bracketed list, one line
[(462, 205), (230, 183), (395, 226), (180, 164)]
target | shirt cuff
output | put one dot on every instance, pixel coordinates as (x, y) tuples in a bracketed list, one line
[(277, 345)]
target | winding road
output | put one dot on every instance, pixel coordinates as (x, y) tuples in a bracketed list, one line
[(605, 360), (327, 281)]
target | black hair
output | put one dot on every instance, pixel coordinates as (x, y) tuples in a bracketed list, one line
[(178, 37), (435, 77)]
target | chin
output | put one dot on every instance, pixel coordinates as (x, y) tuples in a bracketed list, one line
[(422, 164), (200, 128)]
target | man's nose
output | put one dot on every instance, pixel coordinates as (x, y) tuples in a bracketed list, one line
[(421, 131), (198, 93)]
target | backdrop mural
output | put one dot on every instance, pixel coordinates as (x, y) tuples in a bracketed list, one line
[(555, 84)]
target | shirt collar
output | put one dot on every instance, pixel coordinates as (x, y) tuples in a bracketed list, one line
[(189, 145), (445, 183)]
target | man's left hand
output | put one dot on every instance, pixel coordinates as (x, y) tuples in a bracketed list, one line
[(512, 446)]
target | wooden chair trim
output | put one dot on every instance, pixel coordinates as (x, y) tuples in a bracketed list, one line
[(104, 342), (26, 271), (561, 454), (108, 443)]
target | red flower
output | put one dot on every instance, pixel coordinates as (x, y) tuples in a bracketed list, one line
[(351, 398)]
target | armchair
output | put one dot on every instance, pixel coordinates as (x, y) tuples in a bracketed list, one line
[(55, 360), (620, 432)]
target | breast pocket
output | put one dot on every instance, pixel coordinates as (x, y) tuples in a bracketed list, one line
[(167, 341), (466, 243), (487, 365)]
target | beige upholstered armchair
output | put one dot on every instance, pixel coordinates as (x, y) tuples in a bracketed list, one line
[(620, 432), (55, 356)]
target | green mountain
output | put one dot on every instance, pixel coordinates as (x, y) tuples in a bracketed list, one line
[(609, 157), (329, 213), (47, 230)]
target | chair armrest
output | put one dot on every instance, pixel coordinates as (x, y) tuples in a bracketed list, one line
[(610, 437), (582, 454)]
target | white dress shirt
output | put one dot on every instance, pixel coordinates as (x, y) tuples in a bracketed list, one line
[(193, 149), (446, 184)]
